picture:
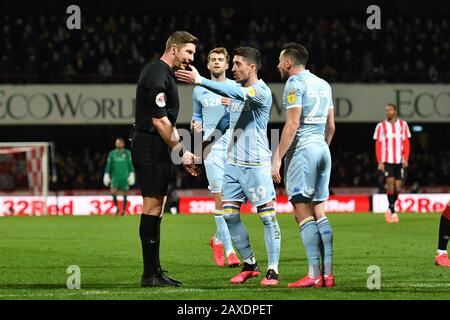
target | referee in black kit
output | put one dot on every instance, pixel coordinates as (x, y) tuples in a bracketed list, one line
[(154, 140)]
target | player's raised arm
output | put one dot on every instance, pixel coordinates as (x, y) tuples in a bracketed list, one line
[(246, 63), (222, 88)]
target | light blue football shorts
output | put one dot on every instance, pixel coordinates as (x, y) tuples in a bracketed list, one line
[(248, 183), (215, 169), (307, 172)]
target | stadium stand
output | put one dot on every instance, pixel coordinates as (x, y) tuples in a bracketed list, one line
[(39, 49)]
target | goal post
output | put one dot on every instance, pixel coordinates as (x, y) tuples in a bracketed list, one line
[(24, 169)]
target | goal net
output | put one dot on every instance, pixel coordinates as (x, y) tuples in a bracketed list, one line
[(24, 171)]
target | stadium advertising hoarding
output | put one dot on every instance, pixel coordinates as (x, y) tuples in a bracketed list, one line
[(113, 104), (356, 203), (103, 205), (423, 203), (65, 205)]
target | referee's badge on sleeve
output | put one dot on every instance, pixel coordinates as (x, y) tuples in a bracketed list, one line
[(160, 99)]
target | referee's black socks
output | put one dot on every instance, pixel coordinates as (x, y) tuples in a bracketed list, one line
[(158, 232), (149, 233)]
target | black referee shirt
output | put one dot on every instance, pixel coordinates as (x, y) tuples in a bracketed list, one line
[(156, 95)]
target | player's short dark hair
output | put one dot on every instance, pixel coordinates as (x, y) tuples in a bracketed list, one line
[(392, 105), (252, 55), (297, 52), (121, 138), (181, 38), (220, 50)]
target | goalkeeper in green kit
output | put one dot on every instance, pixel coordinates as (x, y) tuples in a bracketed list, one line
[(119, 172)]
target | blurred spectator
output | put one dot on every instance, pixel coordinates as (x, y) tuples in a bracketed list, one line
[(105, 69), (69, 73), (433, 74), (83, 169)]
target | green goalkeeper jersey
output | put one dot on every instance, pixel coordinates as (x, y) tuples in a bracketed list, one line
[(119, 164)]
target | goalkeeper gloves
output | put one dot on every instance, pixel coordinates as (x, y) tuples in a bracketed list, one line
[(106, 179), (131, 179)]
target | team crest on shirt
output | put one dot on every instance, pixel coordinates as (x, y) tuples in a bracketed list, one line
[(160, 99), (251, 92)]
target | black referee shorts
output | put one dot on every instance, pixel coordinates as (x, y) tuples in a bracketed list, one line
[(151, 161), (393, 170)]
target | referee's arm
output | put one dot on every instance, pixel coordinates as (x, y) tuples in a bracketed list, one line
[(167, 131), (156, 86), (170, 135)]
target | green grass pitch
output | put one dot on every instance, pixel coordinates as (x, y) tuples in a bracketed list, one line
[(36, 251)]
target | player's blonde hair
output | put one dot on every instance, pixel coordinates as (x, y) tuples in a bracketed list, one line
[(180, 38), (220, 50)]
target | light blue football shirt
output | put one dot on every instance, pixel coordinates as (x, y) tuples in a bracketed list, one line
[(215, 118), (249, 117), (313, 94)]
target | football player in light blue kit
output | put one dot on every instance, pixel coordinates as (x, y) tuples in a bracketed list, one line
[(248, 170), (211, 117), (305, 140)]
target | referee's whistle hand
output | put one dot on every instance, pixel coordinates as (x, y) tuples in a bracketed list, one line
[(192, 169), (189, 158)]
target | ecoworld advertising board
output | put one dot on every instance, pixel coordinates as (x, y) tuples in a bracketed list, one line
[(114, 104)]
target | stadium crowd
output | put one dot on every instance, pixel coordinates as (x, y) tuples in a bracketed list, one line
[(113, 48)]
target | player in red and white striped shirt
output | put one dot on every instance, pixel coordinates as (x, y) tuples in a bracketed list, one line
[(392, 150)]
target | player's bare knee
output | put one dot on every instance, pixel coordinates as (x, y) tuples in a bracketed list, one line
[(153, 205)]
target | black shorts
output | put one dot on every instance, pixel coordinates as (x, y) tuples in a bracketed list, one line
[(151, 161), (392, 170)]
